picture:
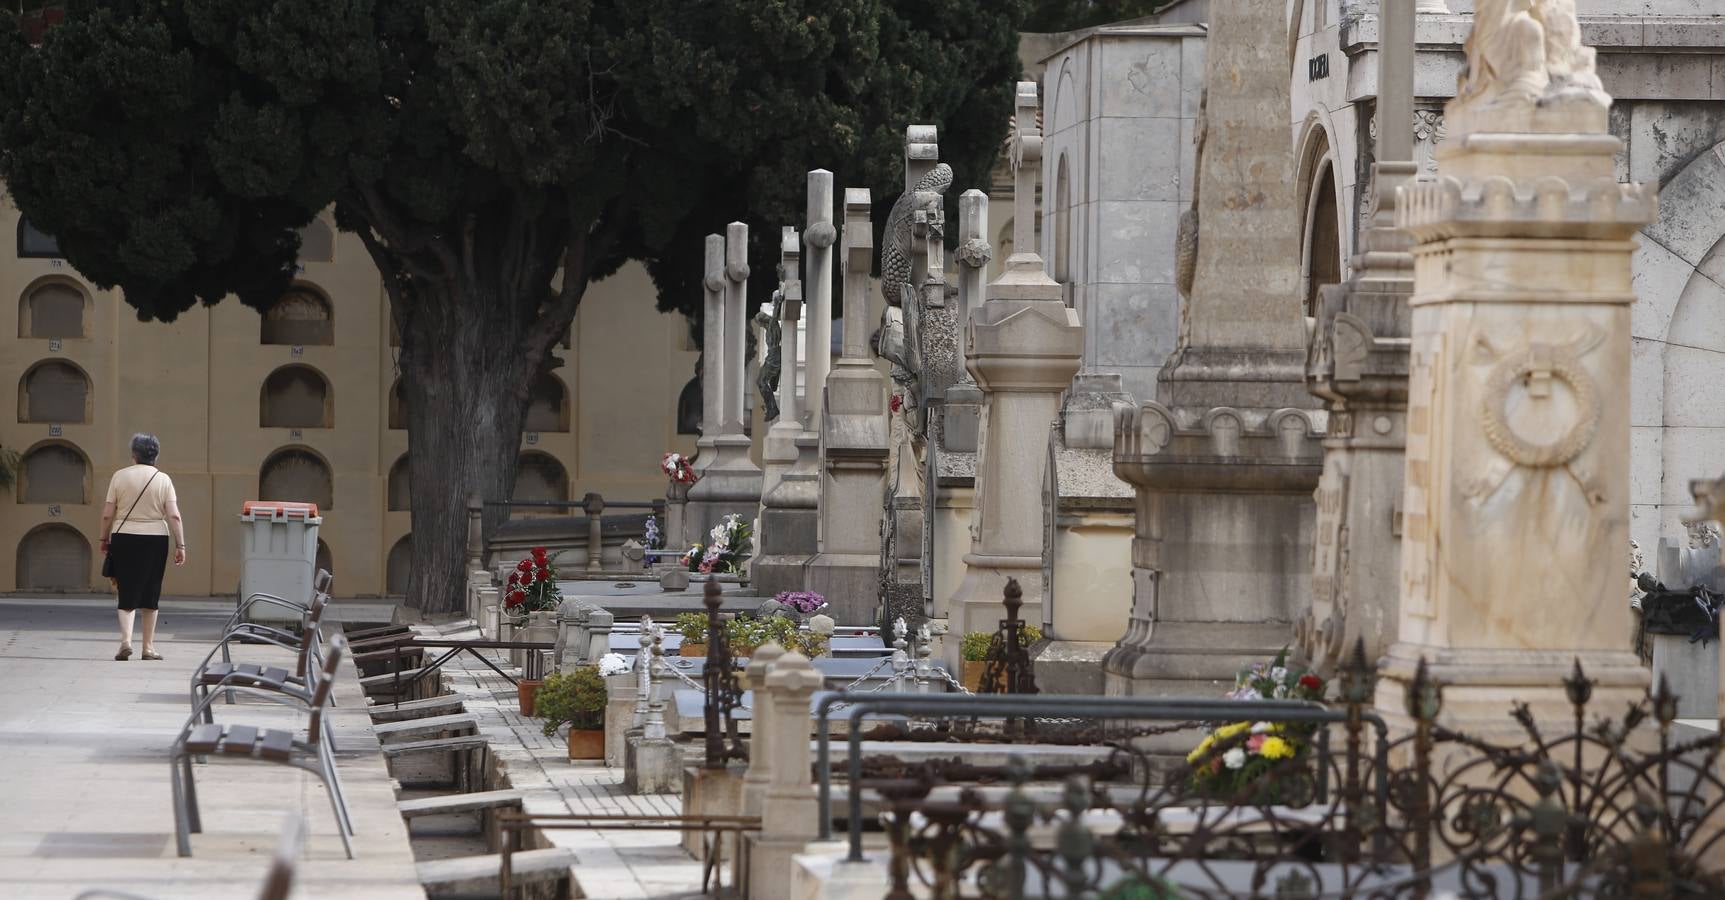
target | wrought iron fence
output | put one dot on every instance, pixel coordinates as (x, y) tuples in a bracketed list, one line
[(1614, 807)]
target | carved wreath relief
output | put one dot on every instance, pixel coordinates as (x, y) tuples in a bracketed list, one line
[(1540, 407)]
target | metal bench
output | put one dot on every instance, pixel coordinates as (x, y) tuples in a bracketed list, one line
[(312, 754), (271, 682)]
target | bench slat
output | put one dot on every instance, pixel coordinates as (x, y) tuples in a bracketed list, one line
[(204, 738), (276, 745), (239, 739)]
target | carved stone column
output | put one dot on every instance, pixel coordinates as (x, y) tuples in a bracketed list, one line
[(1517, 485)]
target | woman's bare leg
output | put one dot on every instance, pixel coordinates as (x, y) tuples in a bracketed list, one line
[(149, 617), (126, 626)]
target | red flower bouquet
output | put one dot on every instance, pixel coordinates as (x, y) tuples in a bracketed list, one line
[(532, 586)]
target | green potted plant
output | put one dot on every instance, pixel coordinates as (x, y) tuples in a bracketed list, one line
[(692, 626), (973, 654), (576, 699)]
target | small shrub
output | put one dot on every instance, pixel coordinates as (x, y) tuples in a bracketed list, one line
[(973, 647), (576, 699), (692, 626)]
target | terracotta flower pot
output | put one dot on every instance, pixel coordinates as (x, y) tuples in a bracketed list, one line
[(526, 690), (692, 649), (584, 744)]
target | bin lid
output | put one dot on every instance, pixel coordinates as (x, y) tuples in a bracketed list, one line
[(277, 509)]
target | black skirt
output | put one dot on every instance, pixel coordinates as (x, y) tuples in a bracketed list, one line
[(140, 560)]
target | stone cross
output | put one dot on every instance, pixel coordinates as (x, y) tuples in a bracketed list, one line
[(963, 398), (819, 235), (1024, 344), (853, 442), (1026, 165), (790, 313)]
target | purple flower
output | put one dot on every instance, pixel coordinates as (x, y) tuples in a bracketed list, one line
[(804, 602)]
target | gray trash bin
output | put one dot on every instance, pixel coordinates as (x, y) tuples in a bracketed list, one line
[(278, 554)]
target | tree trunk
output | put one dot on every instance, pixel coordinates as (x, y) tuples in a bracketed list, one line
[(465, 377)]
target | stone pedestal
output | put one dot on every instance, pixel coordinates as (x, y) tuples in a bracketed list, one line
[(1225, 459), (1517, 485), (731, 483), (853, 445), (790, 519), (1023, 347)]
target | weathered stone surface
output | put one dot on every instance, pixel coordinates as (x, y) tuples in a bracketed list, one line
[(1518, 417)]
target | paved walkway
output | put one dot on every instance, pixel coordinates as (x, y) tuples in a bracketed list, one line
[(612, 864), (85, 801)]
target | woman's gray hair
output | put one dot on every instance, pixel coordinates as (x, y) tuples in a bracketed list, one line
[(145, 448)]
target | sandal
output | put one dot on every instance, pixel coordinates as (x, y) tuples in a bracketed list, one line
[(125, 653), (151, 654)]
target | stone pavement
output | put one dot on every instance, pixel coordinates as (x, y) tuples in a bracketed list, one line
[(85, 797), (612, 864)]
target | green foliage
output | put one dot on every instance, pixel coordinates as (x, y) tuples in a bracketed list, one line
[(174, 146), (1071, 15), (9, 462), (692, 626), (973, 647), (575, 698)]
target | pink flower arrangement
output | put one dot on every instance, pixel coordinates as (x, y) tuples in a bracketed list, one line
[(677, 467)]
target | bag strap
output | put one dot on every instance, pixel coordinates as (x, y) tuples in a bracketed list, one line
[(134, 505)]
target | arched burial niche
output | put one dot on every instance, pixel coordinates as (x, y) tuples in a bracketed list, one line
[(1321, 236), (34, 243), (54, 391), (296, 397), (299, 475), (53, 557), (1063, 226), (539, 477), (399, 567), (301, 316), (400, 497), (53, 309), (54, 472), (547, 405), (317, 242)]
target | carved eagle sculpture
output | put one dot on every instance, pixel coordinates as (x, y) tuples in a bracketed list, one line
[(896, 243)]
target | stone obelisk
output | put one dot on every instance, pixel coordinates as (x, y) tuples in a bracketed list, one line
[(1516, 505), (1225, 459)]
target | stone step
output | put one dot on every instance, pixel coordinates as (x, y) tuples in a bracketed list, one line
[(438, 745), (459, 803), (433, 726), (417, 709), (480, 874)]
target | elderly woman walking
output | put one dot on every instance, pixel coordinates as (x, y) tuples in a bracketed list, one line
[(137, 547)]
